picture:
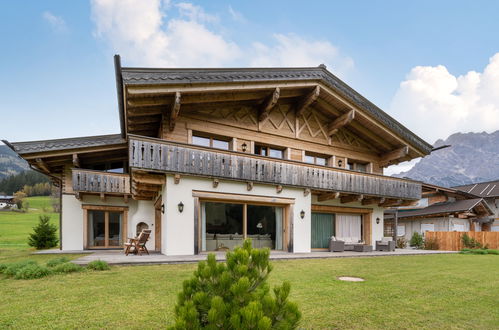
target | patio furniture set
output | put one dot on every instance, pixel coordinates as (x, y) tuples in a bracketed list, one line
[(340, 244)]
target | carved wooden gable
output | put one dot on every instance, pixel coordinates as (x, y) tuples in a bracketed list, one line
[(240, 116), (281, 121)]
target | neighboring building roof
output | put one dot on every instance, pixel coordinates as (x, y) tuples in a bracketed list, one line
[(481, 189), (64, 144), (446, 207), (147, 76)]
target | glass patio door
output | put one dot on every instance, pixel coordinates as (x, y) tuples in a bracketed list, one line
[(105, 229), (225, 226)]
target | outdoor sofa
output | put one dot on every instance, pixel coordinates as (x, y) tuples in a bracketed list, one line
[(386, 244)]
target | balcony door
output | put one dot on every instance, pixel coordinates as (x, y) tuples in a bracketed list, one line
[(105, 227)]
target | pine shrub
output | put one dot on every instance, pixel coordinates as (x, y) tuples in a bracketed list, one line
[(417, 240), (44, 235), (57, 261), (67, 267), (235, 295), (98, 265), (31, 272)]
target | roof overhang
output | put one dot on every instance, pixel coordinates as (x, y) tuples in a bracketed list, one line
[(147, 93), (50, 156)]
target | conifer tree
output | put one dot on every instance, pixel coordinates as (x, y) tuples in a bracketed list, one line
[(235, 295), (44, 235)]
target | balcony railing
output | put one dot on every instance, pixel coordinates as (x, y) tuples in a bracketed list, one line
[(100, 182), (158, 155)]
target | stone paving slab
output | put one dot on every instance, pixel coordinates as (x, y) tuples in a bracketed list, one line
[(115, 257)]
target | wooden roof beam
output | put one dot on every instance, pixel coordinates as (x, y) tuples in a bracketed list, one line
[(148, 178), (390, 202), (327, 196), (393, 155), (373, 200), (351, 198), (175, 111), (306, 101), (340, 122), (268, 104), (76, 160), (40, 163)]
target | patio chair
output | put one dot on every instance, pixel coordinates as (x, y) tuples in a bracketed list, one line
[(138, 244), (386, 244), (336, 245)]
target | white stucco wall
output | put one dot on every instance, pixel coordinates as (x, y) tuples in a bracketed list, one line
[(72, 218), (440, 224), (377, 212), (178, 228)]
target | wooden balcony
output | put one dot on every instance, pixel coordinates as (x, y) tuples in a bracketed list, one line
[(89, 181), (170, 157)]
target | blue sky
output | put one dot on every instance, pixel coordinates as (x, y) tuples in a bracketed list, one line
[(430, 64)]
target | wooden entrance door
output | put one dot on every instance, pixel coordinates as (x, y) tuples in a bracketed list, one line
[(322, 230), (157, 225)]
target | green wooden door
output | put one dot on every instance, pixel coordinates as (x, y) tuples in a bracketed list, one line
[(322, 230)]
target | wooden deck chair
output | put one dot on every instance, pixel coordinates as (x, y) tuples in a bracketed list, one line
[(138, 243)]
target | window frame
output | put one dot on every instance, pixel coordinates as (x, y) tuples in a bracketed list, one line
[(106, 209), (267, 149), (211, 138)]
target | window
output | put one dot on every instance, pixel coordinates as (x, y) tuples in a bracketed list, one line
[(315, 159), (269, 151), (113, 167), (357, 166), (211, 141)]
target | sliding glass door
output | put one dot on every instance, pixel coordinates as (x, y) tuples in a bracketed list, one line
[(225, 225)]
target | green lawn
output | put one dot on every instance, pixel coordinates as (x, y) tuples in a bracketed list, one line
[(435, 291), (16, 226)]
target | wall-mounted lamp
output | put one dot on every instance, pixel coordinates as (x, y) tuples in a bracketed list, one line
[(163, 208), (181, 207), (340, 163), (302, 214), (377, 221), (244, 147)]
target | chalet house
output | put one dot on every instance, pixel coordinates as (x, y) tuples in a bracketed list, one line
[(207, 157), (6, 201), (489, 191), (439, 209)]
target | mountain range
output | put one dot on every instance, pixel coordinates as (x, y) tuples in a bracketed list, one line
[(10, 162), (471, 158)]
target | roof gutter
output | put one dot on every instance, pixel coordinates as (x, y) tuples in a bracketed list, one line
[(119, 93)]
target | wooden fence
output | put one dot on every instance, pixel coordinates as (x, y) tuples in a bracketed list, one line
[(177, 158), (451, 240)]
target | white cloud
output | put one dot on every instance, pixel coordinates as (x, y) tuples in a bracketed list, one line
[(293, 50), (236, 16), (57, 23), (156, 33), (138, 30), (434, 103)]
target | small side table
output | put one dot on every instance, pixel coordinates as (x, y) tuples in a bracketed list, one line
[(363, 248)]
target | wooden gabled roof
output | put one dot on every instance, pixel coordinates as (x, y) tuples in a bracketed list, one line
[(167, 79)]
